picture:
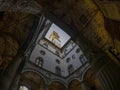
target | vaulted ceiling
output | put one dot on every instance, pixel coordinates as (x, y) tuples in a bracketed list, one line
[(96, 26), (83, 15)]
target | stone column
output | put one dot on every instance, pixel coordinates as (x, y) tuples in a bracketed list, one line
[(109, 77), (15, 84), (8, 76)]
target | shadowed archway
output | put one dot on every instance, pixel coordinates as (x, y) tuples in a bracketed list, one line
[(33, 80), (56, 86), (74, 85)]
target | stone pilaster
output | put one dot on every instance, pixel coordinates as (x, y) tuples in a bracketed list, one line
[(15, 83), (8, 76), (109, 77)]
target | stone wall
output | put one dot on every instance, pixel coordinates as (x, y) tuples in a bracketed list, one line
[(14, 30)]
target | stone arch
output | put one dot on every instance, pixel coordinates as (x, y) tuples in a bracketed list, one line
[(56, 85), (84, 73), (71, 79), (91, 80), (32, 80), (57, 80), (74, 85), (39, 73)]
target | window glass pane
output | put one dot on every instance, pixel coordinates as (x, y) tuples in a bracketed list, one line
[(37, 61), (82, 59)]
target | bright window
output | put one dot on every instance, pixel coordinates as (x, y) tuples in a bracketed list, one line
[(39, 61), (57, 36), (23, 88)]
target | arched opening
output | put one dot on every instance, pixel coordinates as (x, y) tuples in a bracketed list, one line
[(91, 81), (58, 70), (70, 69), (32, 80), (82, 59), (74, 85), (56, 86), (39, 61)]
